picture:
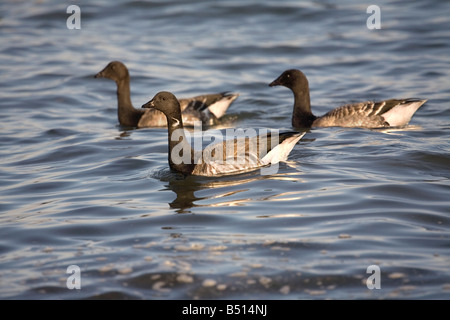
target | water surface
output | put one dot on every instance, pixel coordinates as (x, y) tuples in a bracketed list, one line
[(78, 189)]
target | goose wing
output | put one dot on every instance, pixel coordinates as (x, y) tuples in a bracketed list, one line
[(248, 153), (216, 103), (370, 114), (151, 118)]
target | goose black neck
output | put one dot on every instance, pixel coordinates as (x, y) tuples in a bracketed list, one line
[(302, 115), (180, 153), (127, 114)]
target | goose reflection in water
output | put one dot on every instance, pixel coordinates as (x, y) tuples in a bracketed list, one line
[(223, 191)]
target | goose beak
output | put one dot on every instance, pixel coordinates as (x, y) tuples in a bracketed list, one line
[(149, 104), (102, 74), (275, 82)]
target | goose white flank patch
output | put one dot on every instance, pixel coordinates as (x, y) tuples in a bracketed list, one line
[(227, 157), (368, 114), (207, 108)]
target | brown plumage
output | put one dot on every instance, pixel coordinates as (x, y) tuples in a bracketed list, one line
[(227, 157), (368, 114), (207, 108)]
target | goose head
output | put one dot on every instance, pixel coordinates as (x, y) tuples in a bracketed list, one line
[(293, 79), (165, 102), (115, 70)]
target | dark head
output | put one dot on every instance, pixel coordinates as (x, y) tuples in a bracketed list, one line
[(115, 70), (296, 81), (292, 79), (165, 102)]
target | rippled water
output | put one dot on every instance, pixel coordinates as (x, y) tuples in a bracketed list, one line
[(77, 189)]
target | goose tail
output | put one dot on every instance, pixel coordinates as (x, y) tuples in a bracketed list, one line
[(287, 141), (401, 114), (220, 107)]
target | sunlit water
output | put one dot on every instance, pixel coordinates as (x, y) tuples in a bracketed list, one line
[(77, 189)]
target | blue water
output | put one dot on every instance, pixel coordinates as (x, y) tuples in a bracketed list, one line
[(78, 189)]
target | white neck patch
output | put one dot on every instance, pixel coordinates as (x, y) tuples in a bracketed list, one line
[(176, 122)]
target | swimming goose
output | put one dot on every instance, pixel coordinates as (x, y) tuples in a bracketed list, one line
[(228, 157), (206, 108), (368, 114)]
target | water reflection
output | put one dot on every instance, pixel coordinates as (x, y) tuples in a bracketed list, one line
[(123, 135), (222, 191), (398, 130)]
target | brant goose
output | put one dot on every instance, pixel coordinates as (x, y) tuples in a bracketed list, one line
[(227, 157), (207, 108), (387, 113)]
